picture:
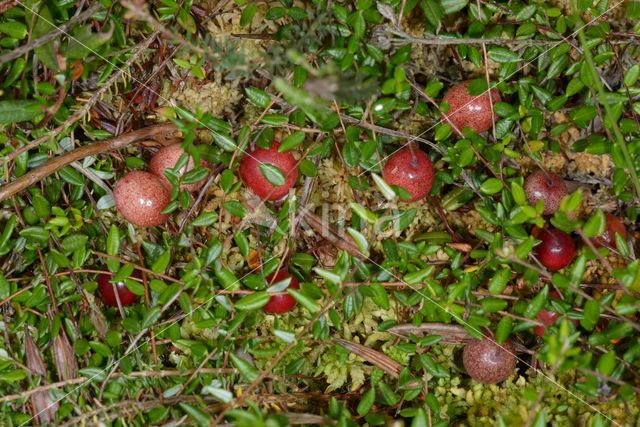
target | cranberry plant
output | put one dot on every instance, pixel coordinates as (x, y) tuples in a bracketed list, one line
[(335, 213)]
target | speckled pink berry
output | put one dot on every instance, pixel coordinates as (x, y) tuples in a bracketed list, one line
[(253, 177), (470, 111), (166, 158), (411, 169), (489, 362), (608, 239), (545, 186), (140, 197)]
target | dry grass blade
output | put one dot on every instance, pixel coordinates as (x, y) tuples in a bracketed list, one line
[(64, 357), (306, 419), (330, 233), (159, 132), (451, 334), (42, 406), (382, 361)]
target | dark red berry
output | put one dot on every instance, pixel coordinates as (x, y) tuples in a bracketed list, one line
[(489, 362), (608, 239), (254, 178), (470, 111), (411, 169), (281, 303), (545, 186), (140, 197), (556, 249), (548, 317), (105, 288)]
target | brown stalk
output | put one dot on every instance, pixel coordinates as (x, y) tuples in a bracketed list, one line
[(161, 133), (331, 233), (372, 356)]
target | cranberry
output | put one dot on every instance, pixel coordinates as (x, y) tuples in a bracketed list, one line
[(547, 317), (105, 288), (140, 197), (253, 177), (166, 158), (608, 239), (411, 169), (470, 111), (489, 362), (545, 186), (556, 249), (281, 303)]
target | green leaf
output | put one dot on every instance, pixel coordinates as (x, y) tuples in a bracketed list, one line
[(363, 212), (632, 75), (272, 174), (536, 303), (304, 300), (113, 248), (590, 315), (13, 111), (74, 242), (253, 301), (43, 25), (384, 188), (201, 418), (204, 219), (526, 12), (258, 97), (499, 281), (151, 317), (503, 329), (235, 208), (247, 15), (503, 55), (452, 6), (247, 371), (366, 402), (491, 186), (162, 262), (291, 141), (14, 29), (595, 225), (224, 141)]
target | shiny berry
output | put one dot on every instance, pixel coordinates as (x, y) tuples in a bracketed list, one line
[(166, 158), (411, 169), (470, 111), (105, 289), (556, 249), (281, 303), (489, 362), (608, 238), (545, 186), (254, 178), (546, 317), (140, 197)]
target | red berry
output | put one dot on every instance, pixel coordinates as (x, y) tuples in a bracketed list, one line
[(140, 197), (470, 111), (281, 303), (556, 249), (253, 177), (545, 186), (489, 362), (166, 158), (411, 169), (105, 288), (608, 239)]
